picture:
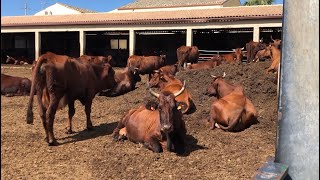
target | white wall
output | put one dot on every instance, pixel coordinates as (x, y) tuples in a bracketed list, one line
[(57, 9)]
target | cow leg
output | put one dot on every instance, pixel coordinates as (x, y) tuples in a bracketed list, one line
[(42, 112), (50, 115), (117, 130), (153, 144), (212, 120), (88, 112), (71, 112)]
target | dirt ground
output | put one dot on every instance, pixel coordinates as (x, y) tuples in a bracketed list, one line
[(211, 154)]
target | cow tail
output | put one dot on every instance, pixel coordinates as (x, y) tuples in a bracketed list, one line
[(36, 80), (232, 125)]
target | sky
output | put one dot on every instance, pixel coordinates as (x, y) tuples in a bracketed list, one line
[(16, 7)]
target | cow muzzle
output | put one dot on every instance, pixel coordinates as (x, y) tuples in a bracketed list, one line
[(166, 128)]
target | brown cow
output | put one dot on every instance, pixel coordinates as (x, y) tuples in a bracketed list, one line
[(262, 55), (276, 42), (187, 54), (157, 126), (171, 84), (169, 69), (126, 80), (222, 89), (209, 64), (14, 86), (99, 60), (17, 60), (146, 64), (58, 77), (275, 57), (235, 57), (252, 49)]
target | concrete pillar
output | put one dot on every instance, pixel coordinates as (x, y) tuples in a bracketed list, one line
[(189, 38), (298, 111), (256, 34), (82, 41), (37, 43), (132, 42)]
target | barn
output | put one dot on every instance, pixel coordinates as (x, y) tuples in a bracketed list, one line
[(142, 27)]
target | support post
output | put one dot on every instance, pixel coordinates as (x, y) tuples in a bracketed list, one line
[(82, 42), (189, 38), (256, 33), (298, 112), (132, 42), (37, 44)]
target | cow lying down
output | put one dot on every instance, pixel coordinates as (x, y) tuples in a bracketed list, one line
[(14, 86), (157, 126), (233, 111)]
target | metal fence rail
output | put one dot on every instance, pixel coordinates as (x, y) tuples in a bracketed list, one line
[(207, 54)]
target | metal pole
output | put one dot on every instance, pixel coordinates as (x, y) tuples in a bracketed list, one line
[(298, 111)]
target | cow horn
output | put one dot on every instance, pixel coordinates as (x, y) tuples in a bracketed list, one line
[(213, 76), (156, 71), (224, 74), (242, 48), (181, 90), (136, 68), (151, 91), (271, 38), (8, 56)]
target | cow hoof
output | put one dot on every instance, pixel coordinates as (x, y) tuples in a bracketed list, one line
[(180, 150), (53, 143)]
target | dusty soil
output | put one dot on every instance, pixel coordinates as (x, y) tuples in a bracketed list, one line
[(211, 154)]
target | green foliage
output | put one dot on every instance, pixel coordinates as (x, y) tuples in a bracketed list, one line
[(258, 2)]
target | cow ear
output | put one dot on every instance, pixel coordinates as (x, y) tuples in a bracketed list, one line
[(181, 106), (151, 105)]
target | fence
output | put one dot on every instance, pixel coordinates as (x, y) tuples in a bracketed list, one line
[(207, 54)]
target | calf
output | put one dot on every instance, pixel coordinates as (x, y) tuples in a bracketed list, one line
[(171, 84), (157, 126), (14, 86), (57, 77), (222, 89)]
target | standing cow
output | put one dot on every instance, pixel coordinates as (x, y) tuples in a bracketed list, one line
[(58, 77), (187, 54), (146, 64)]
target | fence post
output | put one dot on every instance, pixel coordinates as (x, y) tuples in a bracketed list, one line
[(298, 111)]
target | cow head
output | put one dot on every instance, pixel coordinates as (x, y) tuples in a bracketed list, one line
[(238, 54), (167, 107), (155, 78), (135, 74), (212, 89), (105, 75), (276, 42), (10, 59)]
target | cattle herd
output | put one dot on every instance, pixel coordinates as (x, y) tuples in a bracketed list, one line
[(60, 80)]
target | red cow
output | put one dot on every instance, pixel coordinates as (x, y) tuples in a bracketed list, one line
[(157, 126), (187, 54), (57, 78), (14, 86), (209, 64), (229, 105), (235, 57), (171, 84), (146, 64), (126, 80)]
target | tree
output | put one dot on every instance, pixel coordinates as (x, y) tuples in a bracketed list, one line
[(258, 2)]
